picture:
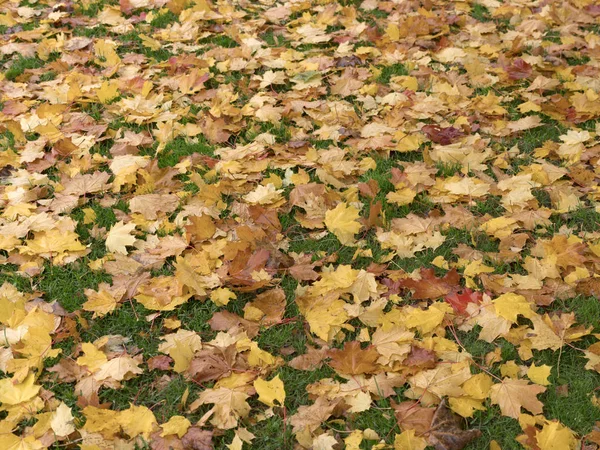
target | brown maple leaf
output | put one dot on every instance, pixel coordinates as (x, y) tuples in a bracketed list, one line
[(225, 321), (446, 431), (413, 416), (197, 439), (420, 357), (212, 364), (430, 287), (353, 360), (160, 362), (519, 69), (312, 359)]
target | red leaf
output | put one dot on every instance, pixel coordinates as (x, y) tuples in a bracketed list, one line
[(420, 357), (443, 136), (518, 70), (369, 189), (160, 362), (429, 287), (460, 301)]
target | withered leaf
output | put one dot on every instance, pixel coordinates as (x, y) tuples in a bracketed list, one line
[(446, 431), (353, 360)]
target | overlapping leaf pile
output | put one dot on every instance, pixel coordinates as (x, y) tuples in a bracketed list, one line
[(285, 224)]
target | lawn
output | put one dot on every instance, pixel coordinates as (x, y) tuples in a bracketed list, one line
[(299, 225)]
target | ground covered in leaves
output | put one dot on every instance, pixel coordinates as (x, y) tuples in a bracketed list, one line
[(319, 225)]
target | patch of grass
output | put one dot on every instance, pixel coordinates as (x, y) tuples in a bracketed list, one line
[(272, 434), (586, 309), (491, 205), (159, 55), (180, 147), (552, 36), (129, 320), (21, 64), (91, 32), (542, 196), (480, 12), (196, 314), (67, 283), (447, 170), (325, 246), (8, 275), (281, 131), (296, 381), (163, 20), (387, 72), (220, 40), (292, 334), (574, 410), (494, 426), (48, 76), (94, 110), (583, 219), (578, 60), (272, 39), (92, 9), (163, 399), (379, 417)]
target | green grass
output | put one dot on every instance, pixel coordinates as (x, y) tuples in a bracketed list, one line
[(92, 9), (48, 76), (162, 391), (387, 72), (67, 283), (181, 147), (8, 275), (163, 20), (575, 410), (20, 65), (584, 219), (91, 32), (220, 40), (480, 12)]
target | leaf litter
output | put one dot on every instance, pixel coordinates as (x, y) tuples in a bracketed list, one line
[(383, 178)]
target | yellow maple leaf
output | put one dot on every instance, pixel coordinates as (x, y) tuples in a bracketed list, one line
[(324, 315), (342, 222), (181, 346), (103, 421), (465, 406), (52, 242), (511, 305), (108, 90), (401, 196), (539, 374), (353, 440), (230, 406), (478, 386), (62, 420), (555, 436), (511, 395), (137, 420), (9, 441), (119, 237), (14, 393), (106, 55), (271, 391), (408, 440), (100, 302), (426, 320), (120, 368), (176, 425), (222, 296), (93, 358)]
